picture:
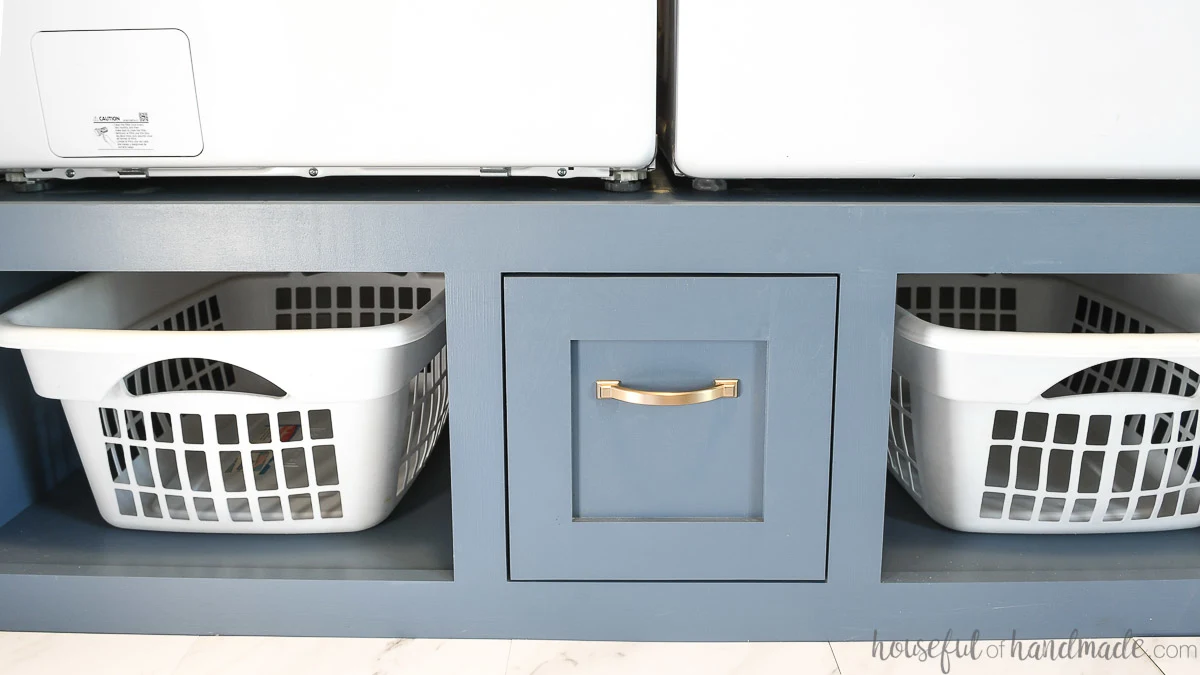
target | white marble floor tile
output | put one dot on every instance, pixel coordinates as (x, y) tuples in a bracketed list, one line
[(54, 653), (343, 656), (1174, 656), (995, 657), (45, 653), (541, 657)]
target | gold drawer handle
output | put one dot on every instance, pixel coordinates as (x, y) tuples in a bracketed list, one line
[(613, 389)]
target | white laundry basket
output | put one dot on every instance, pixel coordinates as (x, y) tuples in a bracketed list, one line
[(198, 404), (1037, 404)]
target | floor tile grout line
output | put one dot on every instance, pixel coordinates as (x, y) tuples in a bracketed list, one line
[(835, 660), (1151, 659), (196, 640), (508, 659)]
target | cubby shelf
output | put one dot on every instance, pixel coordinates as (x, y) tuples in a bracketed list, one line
[(64, 535), (917, 549)]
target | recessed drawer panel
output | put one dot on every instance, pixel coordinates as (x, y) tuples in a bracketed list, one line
[(668, 427)]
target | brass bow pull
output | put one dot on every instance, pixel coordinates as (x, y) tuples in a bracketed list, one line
[(613, 389)]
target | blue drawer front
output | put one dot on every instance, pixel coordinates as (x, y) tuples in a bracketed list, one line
[(699, 461), (728, 489)]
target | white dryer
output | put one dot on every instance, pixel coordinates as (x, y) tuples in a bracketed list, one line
[(318, 88), (935, 88)]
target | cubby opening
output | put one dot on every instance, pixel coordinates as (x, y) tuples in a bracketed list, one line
[(1036, 459), (291, 462)]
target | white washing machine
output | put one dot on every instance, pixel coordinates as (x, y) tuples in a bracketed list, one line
[(935, 88), (318, 88)]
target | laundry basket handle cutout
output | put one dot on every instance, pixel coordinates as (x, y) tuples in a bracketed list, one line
[(196, 374), (1130, 375)]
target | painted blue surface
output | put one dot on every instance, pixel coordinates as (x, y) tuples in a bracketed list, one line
[(38, 449), (689, 462), (733, 489), (477, 236)]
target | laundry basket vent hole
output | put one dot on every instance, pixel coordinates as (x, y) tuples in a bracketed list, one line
[(902, 446), (986, 308), (1151, 473), (309, 307)]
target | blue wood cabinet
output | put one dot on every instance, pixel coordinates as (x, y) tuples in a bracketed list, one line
[(734, 488), (568, 517)]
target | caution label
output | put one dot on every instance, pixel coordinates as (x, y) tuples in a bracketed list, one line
[(123, 132)]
